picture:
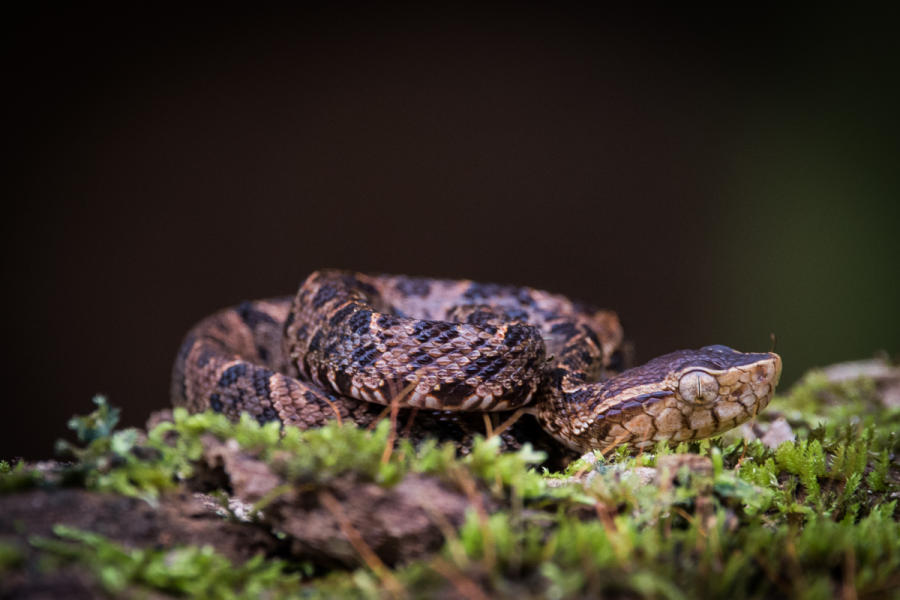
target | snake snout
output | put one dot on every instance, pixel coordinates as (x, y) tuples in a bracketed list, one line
[(747, 388), (762, 376), (733, 393)]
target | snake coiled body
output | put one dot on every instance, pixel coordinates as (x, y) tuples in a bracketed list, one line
[(348, 344)]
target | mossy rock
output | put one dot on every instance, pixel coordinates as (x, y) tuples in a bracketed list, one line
[(201, 507)]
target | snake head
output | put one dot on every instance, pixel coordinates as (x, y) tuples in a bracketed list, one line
[(685, 395), (715, 374)]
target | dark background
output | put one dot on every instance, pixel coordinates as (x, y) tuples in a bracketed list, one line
[(712, 177)]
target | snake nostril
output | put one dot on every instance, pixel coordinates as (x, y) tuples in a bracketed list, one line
[(698, 386)]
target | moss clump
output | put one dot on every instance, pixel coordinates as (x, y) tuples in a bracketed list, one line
[(194, 572), (816, 517)]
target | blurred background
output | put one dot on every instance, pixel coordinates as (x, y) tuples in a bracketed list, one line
[(714, 178)]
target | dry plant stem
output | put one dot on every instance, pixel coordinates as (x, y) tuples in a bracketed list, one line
[(509, 422), (465, 481), (616, 442), (395, 409), (848, 592), (359, 544), (337, 413), (392, 435), (379, 418), (464, 585), (454, 545), (740, 460), (409, 422), (603, 513), (488, 426)]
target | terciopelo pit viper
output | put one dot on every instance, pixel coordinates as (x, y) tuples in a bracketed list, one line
[(349, 344)]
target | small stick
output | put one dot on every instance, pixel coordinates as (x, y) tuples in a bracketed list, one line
[(510, 421), (615, 443), (395, 408), (466, 587), (488, 426), (470, 489), (359, 544), (337, 413), (379, 418)]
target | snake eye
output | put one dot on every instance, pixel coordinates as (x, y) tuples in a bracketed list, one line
[(698, 386)]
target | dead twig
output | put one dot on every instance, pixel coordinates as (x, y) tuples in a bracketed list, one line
[(395, 409), (359, 544), (509, 422), (466, 587)]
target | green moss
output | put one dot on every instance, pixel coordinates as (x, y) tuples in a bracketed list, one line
[(117, 461), (11, 556), (195, 572), (17, 478)]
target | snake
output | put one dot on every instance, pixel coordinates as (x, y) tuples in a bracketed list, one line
[(349, 346)]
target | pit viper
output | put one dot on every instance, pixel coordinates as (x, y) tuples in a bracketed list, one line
[(349, 344)]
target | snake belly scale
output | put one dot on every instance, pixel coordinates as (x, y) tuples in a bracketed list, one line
[(349, 343)]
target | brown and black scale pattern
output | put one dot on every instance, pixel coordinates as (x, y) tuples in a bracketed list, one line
[(447, 350), (460, 345)]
